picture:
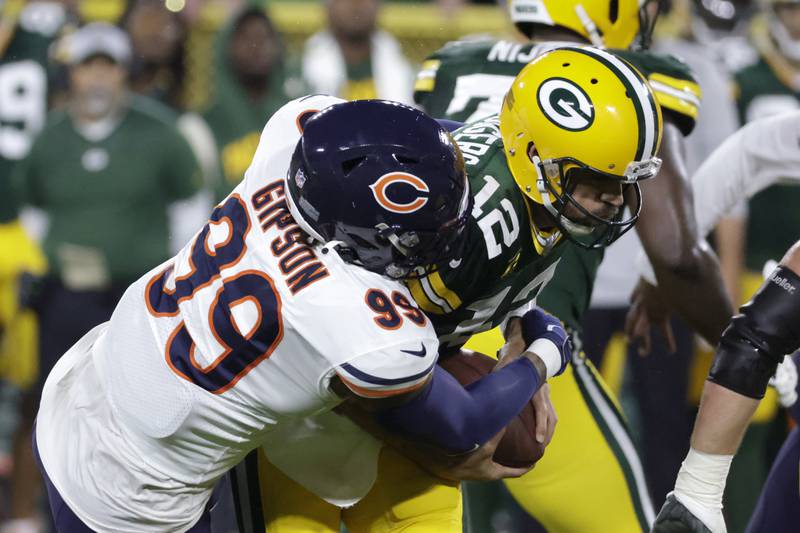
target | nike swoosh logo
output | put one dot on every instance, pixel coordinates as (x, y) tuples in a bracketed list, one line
[(417, 353), (551, 327)]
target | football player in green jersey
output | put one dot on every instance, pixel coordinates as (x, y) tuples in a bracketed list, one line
[(466, 81)]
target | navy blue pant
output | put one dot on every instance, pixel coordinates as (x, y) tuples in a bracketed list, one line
[(67, 521), (778, 508)]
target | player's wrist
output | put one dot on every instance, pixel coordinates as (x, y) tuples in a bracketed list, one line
[(538, 364), (549, 355), (701, 484)]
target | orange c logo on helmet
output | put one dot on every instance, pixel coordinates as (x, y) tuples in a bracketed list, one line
[(380, 190)]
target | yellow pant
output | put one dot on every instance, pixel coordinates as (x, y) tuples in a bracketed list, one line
[(404, 498), (590, 470)]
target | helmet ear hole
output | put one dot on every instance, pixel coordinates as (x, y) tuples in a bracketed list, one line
[(350, 164), (613, 11), (405, 160)]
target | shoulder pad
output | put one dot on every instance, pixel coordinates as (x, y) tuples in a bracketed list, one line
[(673, 84), (453, 52)]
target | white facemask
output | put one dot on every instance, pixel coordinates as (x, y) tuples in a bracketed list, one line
[(790, 48)]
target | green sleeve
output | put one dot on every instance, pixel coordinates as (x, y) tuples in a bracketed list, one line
[(181, 174)]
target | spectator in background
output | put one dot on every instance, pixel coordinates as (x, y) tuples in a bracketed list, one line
[(158, 36), (104, 173), (252, 82), (26, 31), (353, 59)]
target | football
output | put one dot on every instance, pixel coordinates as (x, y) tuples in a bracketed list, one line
[(518, 447)]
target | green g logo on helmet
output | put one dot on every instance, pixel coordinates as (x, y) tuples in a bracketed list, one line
[(565, 104)]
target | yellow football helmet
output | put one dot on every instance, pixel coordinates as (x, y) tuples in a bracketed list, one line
[(580, 112), (603, 23)]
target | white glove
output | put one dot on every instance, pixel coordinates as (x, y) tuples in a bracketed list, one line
[(785, 382)]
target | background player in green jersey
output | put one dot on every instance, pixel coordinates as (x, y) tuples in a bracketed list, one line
[(466, 80), (253, 80)]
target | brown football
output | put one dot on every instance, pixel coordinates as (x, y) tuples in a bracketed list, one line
[(518, 447)]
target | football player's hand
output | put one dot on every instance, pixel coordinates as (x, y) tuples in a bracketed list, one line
[(785, 382), (546, 337), (648, 310), (546, 418), (675, 517), (478, 465)]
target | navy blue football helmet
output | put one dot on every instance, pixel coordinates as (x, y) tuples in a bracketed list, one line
[(385, 181)]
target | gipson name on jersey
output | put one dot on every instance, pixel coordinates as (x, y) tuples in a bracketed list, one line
[(299, 264)]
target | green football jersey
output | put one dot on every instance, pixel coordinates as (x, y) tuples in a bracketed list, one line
[(23, 91), (467, 80), (107, 199), (773, 215), (500, 271)]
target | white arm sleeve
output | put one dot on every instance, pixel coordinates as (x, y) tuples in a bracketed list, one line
[(755, 157), (758, 155)]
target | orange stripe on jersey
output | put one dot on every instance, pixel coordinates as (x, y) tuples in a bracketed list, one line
[(301, 119), (383, 393)]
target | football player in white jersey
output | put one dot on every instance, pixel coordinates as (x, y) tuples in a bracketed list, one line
[(760, 154), (291, 291)]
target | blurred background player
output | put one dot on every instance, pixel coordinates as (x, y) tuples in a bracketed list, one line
[(253, 79), (26, 31), (102, 175), (158, 62), (354, 59), (466, 80)]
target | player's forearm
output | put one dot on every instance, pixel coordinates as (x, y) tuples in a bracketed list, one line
[(686, 269), (458, 419), (696, 290), (722, 420), (767, 328)]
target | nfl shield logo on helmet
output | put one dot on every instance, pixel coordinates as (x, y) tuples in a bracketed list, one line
[(399, 192)]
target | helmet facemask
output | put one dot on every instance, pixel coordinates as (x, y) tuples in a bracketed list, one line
[(788, 46), (416, 254), (647, 23), (556, 182)]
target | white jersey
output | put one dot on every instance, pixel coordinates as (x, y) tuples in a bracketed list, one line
[(210, 355)]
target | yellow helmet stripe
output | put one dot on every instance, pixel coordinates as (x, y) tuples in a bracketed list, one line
[(642, 99)]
